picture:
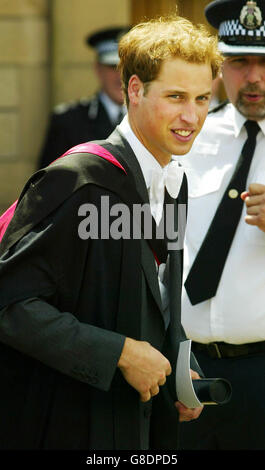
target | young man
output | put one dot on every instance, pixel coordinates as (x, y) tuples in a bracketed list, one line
[(227, 324), (89, 325)]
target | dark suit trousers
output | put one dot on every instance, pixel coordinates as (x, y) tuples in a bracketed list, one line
[(240, 424)]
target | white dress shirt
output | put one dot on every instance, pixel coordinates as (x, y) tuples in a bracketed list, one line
[(237, 313), (153, 172), (146, 160), (148, 164)]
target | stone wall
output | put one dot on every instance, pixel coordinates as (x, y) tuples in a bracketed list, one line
[(24, 90), (44, 61)]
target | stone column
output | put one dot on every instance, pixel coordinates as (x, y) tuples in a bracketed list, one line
[(24, 91)]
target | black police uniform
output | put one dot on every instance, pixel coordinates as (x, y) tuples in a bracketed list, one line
[(74, 124), (87, 119)]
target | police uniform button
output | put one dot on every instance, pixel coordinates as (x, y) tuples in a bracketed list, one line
[(233, 193)]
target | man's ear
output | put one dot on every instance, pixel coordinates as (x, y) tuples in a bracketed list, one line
[(135, 89)]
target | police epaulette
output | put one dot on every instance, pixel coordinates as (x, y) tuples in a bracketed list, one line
[(219, 106), (62, 108)]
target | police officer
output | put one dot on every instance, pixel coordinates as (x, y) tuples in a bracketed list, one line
[(224, 295), (94, 118)]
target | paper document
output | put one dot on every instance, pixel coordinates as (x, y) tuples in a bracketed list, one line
[(184, 386)]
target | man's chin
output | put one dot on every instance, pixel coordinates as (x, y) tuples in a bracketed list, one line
[(183, 150), (252, 111)]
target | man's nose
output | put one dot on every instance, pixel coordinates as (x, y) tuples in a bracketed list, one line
[(255, 73), (189, 113)]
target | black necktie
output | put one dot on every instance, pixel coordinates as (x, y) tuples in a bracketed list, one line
[(205, 273)]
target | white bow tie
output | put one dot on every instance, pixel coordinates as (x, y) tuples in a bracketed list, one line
[(171, 177)]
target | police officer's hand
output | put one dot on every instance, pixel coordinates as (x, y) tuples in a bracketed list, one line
[(143, 367), (255, 204)]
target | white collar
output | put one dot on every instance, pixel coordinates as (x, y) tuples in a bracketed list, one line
[(239, 121), (146, 160)]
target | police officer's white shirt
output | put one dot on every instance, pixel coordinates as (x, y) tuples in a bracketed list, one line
[(237, 313)]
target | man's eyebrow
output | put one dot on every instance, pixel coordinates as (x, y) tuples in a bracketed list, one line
[(205, 93), (183, 92), (173, 90)]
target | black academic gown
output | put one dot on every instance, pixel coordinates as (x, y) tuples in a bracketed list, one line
[(74, 124), (67, 305)]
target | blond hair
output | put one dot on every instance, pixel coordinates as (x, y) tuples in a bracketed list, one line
[(144, 48)]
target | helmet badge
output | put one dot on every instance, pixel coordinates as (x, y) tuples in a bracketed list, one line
[(250, 15)]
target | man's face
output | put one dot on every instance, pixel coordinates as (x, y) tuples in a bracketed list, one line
[(170, 114), (110, 82), (244, 80)]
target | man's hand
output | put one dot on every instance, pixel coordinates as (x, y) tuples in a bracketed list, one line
[(188, 414), (143, 367), (255, 202)]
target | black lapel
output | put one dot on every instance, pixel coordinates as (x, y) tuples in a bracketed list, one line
[(139, 195), (130, 162), (136, 193), (175, 332)]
